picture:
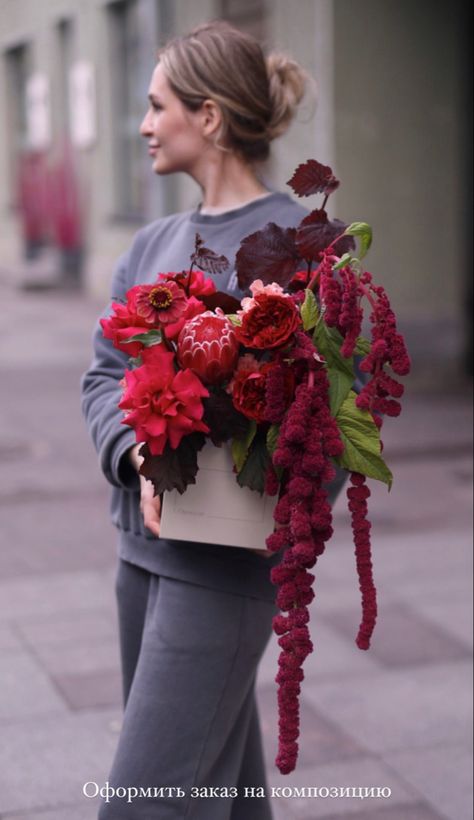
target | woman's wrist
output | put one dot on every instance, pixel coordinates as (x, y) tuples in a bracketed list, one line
[(135, 458)]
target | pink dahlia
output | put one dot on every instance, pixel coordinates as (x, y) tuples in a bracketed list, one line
[(163, 406)]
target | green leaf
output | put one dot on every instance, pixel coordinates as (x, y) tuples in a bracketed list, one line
[(253, 473), (362, 347), (240, 446), (340, 384), (148, 339), (232, 317), (272, 438), (134, 362), (361, 437), (174, 469), (345, 259), (364, 232), (309, 310), (328, 341)]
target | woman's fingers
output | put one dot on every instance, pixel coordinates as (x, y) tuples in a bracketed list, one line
[(150, 506)]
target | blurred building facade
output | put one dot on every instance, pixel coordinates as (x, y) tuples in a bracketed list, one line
[(390, 119)]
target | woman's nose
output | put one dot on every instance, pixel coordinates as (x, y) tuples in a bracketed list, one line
[(145, 128)]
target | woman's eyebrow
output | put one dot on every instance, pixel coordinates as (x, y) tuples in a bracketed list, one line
[(153, 98)]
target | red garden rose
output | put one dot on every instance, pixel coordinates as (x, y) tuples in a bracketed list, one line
[(268, 321), (248, 387), (163, 406)]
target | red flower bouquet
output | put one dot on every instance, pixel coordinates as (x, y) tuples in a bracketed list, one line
[(275, 376)]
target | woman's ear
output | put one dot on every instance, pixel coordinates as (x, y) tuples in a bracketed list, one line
[(211, 118)]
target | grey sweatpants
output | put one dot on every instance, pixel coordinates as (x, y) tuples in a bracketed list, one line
[(189, 661)]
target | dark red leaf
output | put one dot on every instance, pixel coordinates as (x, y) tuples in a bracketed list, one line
[(207, 260), (313, 178), (270, 255), (229, 304), (316, 232), (174, 469), (223, 420)]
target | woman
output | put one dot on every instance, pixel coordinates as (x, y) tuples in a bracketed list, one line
[(194, 618)]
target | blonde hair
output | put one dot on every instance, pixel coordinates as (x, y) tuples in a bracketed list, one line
[(257, 96)]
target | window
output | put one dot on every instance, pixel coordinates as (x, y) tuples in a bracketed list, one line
[(248, 15), (17, 68), (129, 90)]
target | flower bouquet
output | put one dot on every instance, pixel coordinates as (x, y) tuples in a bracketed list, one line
[(274, 376)]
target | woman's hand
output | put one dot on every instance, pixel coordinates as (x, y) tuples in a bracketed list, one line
[(263, 553), (150, 504)]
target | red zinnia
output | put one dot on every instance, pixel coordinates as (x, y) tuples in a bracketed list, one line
[(161, 303)]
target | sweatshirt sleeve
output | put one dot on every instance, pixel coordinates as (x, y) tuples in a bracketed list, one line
[(100, 395)]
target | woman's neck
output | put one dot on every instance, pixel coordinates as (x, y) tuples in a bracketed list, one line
[(227, 182)]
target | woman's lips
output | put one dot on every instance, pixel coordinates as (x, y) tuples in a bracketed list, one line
[(152, 150)]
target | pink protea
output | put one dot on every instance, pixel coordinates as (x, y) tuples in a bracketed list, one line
[(208, 346)]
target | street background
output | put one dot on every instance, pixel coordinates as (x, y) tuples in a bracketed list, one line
[(397, 716), (392, 120)]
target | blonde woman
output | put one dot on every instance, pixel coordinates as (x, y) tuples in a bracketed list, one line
[(194, 618)]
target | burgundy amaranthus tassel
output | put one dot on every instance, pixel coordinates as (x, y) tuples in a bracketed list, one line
[(308, 439), (358, 494), (388, 347)]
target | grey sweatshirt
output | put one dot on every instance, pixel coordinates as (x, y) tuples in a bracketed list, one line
[(166, 245)]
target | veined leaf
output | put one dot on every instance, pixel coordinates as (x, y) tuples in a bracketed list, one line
[(240, 447), (362, 347), (252, 474), (311, 177), (364, 232), (328, 341), (309, 310), (361, 437), (174, 469), (345, 259), (148, 339), (340, 383), (236, 320), (272, 438)]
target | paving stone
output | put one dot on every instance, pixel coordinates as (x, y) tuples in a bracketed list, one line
[(418, 812), (58, 544), (85, 691), (79, 657), (403, 637), (450, 791), (25, 688), (44, 763), (366, 772), (84, 811), (453, 615), (8, 638), (59, 592), (85, 625), (400, 709), (320, 740)]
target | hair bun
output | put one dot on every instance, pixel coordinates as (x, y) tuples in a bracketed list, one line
[(287, 84)]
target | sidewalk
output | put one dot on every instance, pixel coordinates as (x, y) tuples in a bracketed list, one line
[(395, 717)]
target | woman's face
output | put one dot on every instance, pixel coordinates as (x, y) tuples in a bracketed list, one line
[(175, 135)]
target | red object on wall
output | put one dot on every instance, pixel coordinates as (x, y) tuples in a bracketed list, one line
[(33, 197), (64, 206)]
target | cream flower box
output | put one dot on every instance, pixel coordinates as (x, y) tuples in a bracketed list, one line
[(216, 510)]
